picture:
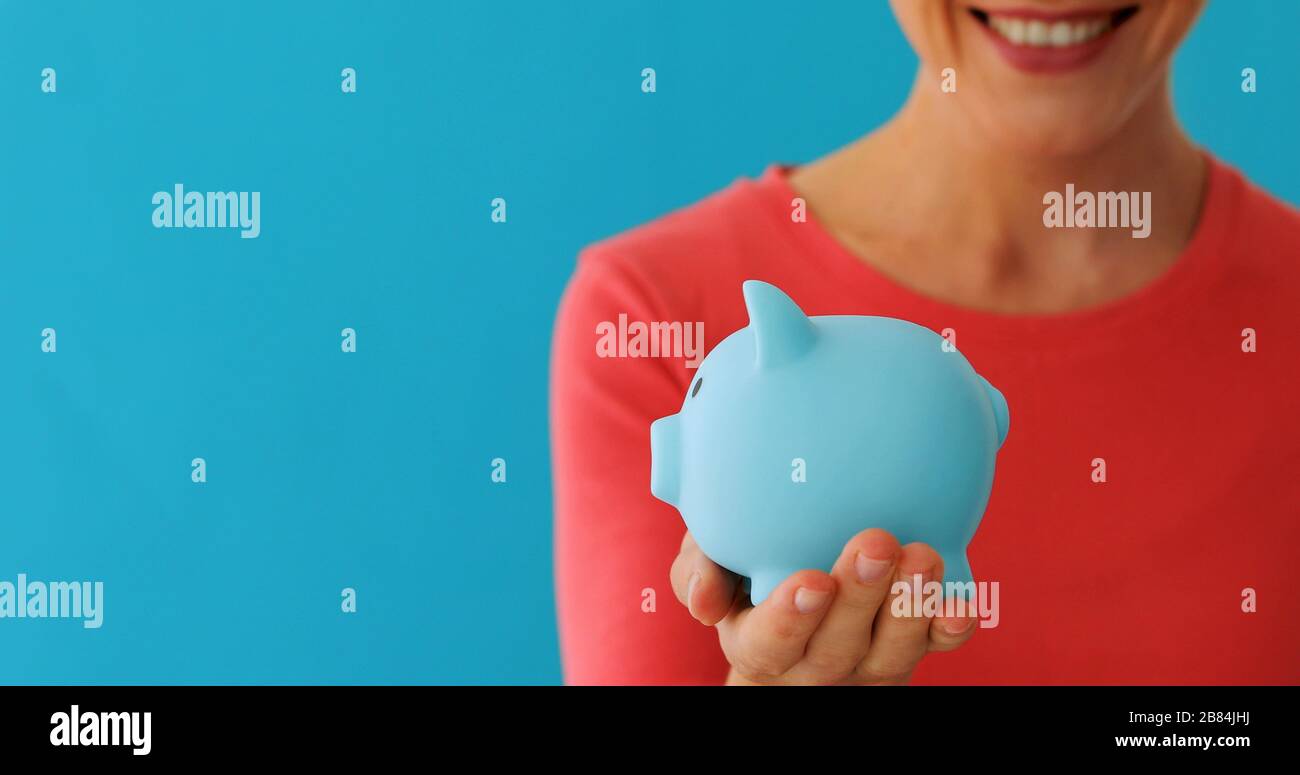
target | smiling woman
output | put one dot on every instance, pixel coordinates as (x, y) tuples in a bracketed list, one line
[(1126, 356)]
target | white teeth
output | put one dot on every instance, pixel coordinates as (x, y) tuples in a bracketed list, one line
[(1041, 34), (1036, 33), (1016, 31)]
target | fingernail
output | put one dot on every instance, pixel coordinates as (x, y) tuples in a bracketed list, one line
[(808, 600), (956, 625), (869, 570), (690, 591)]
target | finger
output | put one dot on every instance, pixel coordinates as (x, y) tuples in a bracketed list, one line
[(766, 640), (704, 587), (863, 575), (948, 633), (899, 640)]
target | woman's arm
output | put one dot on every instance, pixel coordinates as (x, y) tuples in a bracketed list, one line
[(614, 542)]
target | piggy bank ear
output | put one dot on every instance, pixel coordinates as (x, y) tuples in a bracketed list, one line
[(1001, 413), (781, 331)]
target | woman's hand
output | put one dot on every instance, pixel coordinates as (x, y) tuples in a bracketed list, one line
[(818, 628)]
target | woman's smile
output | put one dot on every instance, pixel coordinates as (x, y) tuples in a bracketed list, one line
[(1037, 41)]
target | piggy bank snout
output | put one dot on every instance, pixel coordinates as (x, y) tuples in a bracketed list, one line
[(665, 458)]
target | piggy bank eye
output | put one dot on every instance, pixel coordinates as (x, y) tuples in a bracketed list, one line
[(696, 389)]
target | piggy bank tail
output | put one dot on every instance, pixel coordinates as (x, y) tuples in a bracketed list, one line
[(1001, 412), (958, 580)]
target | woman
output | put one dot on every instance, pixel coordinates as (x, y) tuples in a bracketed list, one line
[(1143, 521)]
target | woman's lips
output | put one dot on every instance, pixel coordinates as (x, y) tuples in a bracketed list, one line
[(1039, 42)]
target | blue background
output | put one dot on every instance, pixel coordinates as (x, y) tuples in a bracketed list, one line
[(372, 470)]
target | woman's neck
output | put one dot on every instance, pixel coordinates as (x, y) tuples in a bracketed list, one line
[(932, 202)]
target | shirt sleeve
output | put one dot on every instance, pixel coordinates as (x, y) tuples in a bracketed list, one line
[(619, 621)]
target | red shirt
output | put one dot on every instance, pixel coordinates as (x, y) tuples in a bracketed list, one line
[(1138, 579)]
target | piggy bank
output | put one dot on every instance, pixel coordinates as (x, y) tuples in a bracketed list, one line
[(799, 432)]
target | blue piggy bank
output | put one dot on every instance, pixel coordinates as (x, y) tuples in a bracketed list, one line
[(797, 433)]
